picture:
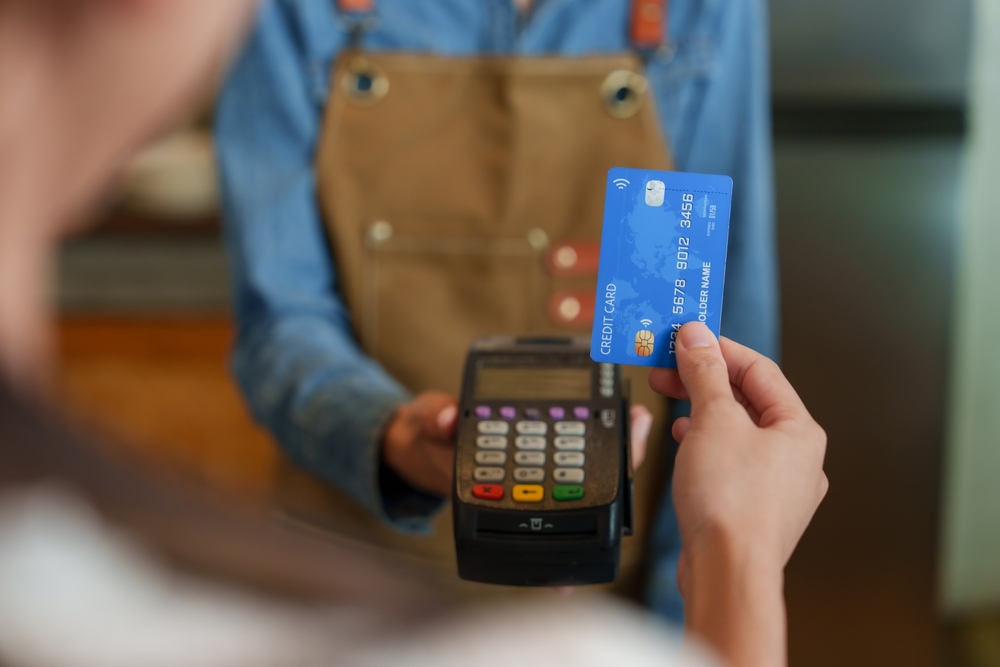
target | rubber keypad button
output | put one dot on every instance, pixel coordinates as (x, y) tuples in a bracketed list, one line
[(567, 492), (488, 491), (528, 493)]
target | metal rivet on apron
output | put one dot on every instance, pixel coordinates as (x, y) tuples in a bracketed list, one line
[(565, 257), (365, 83), (622, 92), (569, 308), (379, 232), (538, 239)]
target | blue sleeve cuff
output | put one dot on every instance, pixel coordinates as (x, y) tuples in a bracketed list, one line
[(405, 507), (328, 405)]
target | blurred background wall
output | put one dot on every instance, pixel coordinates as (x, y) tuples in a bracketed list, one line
[(870, 124)]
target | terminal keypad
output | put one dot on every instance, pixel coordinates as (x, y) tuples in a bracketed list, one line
[(532, 438)]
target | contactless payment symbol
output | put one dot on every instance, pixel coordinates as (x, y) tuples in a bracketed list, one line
[(644, 342), (654, 193)]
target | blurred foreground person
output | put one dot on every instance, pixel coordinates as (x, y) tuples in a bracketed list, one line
[(101, 564)]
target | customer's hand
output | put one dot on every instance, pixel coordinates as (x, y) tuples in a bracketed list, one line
[(642, 422), (747, 481), (419, 443)]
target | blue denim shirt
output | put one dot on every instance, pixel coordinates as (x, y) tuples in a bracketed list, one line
[(296, 359)]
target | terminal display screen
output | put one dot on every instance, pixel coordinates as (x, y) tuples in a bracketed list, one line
[(533, 383)]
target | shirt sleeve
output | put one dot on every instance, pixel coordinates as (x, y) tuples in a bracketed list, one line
[(723, 112), (296, 359)]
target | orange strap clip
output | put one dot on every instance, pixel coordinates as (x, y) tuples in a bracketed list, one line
[(356, 6), (648, 23)]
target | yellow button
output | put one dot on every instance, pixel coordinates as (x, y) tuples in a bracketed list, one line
[(528, 493)]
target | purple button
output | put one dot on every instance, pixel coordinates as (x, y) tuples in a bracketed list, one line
[(508, 412), (483, 411), (557, 413), (581, 412), (532, 413)]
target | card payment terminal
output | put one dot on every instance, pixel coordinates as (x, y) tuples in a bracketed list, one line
[(543, 474)]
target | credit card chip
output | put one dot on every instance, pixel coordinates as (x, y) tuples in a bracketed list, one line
[(644, 342)]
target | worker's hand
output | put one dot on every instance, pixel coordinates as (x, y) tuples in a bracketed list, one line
[(419, 443), (642, 421), (749, 471)]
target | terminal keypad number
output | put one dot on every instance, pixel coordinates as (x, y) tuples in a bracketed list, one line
[(532, 443)]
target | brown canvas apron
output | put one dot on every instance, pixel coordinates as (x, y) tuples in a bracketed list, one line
[(464, 197)]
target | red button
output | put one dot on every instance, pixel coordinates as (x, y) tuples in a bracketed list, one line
[(488, 491)]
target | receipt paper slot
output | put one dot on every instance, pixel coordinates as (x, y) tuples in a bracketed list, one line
[(543, 471)]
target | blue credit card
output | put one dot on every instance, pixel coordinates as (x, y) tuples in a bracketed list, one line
[(663, 263)]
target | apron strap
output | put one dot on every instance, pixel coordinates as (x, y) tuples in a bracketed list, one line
[(357, 17), (647, 20)]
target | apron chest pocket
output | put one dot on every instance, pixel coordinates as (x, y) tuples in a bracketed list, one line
[(425, 297)]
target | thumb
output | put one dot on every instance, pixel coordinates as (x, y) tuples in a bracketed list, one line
[(701, 366), (438, 414), (446, 421)]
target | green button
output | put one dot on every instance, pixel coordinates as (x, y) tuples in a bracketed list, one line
[(567, 492)]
